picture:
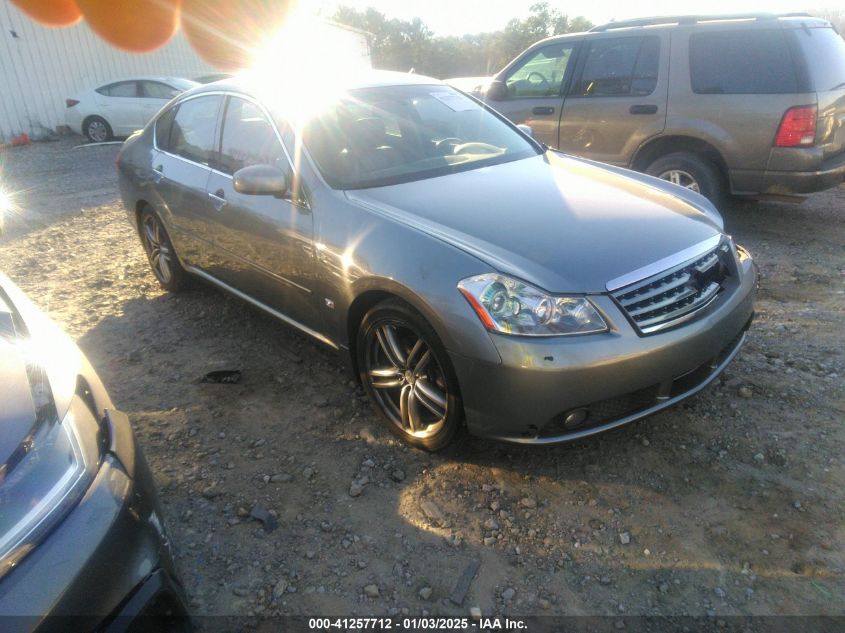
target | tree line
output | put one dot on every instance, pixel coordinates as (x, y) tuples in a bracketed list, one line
[(405, 44)]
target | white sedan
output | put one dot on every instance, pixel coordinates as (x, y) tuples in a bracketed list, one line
[(121, 107)]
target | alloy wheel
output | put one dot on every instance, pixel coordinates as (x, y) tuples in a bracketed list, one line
[(407, 380), (158, 248), (682, 178), (97, 131)]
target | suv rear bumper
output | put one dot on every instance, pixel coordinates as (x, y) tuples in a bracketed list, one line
[(831, 173)]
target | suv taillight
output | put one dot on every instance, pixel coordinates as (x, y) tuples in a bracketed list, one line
[(798, 127), (70, 102)]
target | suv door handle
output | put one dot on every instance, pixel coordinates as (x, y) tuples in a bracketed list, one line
[(543, 110), (218, 199), (643, 109)]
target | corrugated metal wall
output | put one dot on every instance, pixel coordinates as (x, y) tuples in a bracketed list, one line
[(40, 67)]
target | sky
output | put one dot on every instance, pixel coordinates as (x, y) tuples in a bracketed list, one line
[(457, 17)]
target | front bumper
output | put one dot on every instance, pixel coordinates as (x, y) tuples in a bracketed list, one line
[(616, 377), (107, 563)]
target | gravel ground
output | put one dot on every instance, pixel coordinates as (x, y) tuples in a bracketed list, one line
[(729, 504)]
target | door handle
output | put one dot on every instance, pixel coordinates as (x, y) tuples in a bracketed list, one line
[(543, 110), (643, 109), (218, 199), (158, 174)]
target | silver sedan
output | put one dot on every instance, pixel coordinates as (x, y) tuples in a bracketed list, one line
[(473, 278)]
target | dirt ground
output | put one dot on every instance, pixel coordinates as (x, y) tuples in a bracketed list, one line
[(729, 504)]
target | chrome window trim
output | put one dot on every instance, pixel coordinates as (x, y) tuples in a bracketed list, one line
[(666, 263)]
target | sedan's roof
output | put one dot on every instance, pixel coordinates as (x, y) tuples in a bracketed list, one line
[(366, 79)]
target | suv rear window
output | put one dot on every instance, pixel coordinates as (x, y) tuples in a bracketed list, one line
[(824, 52), (742, 62)]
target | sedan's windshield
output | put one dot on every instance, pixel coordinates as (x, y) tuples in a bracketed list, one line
[(373, 137)]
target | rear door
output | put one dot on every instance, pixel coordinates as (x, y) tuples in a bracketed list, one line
[(185, 139), (154, 95), (617, 98), (121, 106), (264, 242), (535, 85)]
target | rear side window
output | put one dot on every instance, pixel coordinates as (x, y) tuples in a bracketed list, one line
[(824, 53), (120, 89), (620, 67), (158, 90), (193, 129), (163, 125), (248, 138), (742, 62)]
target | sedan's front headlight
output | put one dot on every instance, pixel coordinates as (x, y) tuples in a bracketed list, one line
[(511, 306), (46, 473)]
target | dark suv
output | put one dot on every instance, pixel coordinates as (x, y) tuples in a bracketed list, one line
[(746, 104)]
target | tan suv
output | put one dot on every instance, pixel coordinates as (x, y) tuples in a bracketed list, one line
[(740, 104)]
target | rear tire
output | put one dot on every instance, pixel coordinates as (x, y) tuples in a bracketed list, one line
[(97, 129), (692, 171), (408, 376), (160, 252)]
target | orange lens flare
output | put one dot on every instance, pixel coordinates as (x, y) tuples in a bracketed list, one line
[(137, 26), (50, 12)]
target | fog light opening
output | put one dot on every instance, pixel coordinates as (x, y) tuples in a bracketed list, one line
[(575, 418)]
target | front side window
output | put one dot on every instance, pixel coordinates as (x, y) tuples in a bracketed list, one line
[(619, 67), (541, 74), (193, 129), (120, 89), (248, 138), (387, 135), (741, 62)]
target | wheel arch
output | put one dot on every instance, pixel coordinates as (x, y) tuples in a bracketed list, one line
[(371, 292), (88, 119), (662, 145)]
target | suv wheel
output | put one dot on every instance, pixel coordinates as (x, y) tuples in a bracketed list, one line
[(407, 374), (691, 171)]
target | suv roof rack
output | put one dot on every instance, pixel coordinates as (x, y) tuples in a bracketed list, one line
[(694, 19)]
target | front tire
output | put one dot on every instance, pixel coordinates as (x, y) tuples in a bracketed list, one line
[(408, 376), (97, 129), (691, 171), (160, 252)]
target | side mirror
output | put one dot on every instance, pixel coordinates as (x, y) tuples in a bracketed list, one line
[(261, 180), (526, 129), (497, 91)]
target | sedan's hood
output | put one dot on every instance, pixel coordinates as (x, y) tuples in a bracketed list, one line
[(564, 224)]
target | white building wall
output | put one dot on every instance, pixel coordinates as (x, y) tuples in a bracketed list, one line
[(40, 67)]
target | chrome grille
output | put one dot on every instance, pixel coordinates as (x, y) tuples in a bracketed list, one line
[(676, 295)]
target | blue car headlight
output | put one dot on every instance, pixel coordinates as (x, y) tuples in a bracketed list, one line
[(47, 473)]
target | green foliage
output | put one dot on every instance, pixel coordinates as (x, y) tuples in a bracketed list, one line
[(405, 44)]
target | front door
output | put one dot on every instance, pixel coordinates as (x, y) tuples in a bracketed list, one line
[(265, 241), (535, 86), (617, 98)]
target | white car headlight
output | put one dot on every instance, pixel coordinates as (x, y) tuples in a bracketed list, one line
[(511, 306)]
